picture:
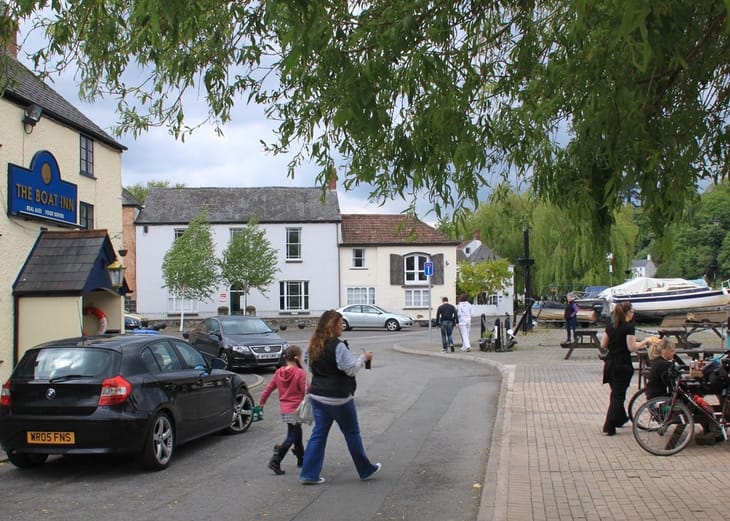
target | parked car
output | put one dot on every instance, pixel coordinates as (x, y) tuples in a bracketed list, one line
[(241, 341), (368, 315), (136, 394), (132, 321)]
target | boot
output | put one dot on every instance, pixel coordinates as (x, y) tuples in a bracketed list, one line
[(275, 461), (299, 453)]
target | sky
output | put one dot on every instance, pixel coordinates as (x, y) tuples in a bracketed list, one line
[(206, 159)]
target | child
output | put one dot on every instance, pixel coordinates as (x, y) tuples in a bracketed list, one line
[(661, 356), (291, 382)]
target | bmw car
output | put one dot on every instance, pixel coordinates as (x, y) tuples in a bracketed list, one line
[(368, 315), (241, 341), (143, 395)]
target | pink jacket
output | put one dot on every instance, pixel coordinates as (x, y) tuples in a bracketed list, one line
[(291, 382)]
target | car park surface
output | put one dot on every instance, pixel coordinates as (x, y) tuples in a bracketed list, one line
[(242, 342), (137, 394), (371, 316)]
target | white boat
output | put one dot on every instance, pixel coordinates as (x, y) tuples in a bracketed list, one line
[(658, 297)]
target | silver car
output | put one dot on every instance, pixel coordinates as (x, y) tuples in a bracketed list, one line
[(367, 315)]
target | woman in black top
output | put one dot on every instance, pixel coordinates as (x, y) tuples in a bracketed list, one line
[(620, 340)]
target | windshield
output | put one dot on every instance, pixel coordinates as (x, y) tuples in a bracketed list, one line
[(248, 326)]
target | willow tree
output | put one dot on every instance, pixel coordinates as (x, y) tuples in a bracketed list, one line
[(591, 101)]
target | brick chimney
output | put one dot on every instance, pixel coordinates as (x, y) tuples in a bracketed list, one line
[(9, 46)]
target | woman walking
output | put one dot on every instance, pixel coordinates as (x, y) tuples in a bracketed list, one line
[(620, 340), (332, 390)]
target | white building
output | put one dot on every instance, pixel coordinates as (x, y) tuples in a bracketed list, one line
[(383, 260), (297, 222)]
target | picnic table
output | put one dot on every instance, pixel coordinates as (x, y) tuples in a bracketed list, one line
[(584, 338), (681, 327)]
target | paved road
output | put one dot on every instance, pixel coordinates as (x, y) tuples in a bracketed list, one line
[(429, 422)]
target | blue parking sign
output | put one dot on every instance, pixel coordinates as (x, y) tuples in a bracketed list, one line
[(428, 269)]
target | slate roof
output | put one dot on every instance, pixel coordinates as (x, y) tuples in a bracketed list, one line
[(237, 205), (25, 88), (130, 200), (390, 230), (71, 263), (481, 254)]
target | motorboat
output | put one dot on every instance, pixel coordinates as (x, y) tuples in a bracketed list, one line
[(554, 311), (652, 298)]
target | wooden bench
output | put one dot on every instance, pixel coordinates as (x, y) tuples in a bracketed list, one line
[(584, 338)]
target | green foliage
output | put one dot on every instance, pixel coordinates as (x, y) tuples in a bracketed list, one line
[(140, 190), (190, 269), (249, 262), (483, 277), (592, 103)]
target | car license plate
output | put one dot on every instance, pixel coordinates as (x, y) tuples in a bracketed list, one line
[(268, 355), (50, 438)]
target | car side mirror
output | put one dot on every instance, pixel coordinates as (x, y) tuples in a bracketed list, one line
[(186, 335), (217, 363)]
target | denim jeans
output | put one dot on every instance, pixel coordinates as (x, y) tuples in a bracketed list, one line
[(447, 333), (346, 418), (293, 436)]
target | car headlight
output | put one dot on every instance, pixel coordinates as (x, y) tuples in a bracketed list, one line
[(241, 349)]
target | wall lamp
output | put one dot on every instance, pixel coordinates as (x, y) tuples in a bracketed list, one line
[(31, 116), (116, 273)]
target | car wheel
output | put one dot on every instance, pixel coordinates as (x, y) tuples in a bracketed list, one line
[(345, 325), (223, 355), (160, 443), (392, 325), (242, 412), (23, 460)]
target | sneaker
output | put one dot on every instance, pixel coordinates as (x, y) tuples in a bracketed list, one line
[(444, 351), (452, 348), (378, 466), (317, 481)]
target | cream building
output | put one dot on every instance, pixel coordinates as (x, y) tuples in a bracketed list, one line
[(62, 220)]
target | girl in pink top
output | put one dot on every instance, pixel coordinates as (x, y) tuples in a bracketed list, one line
[(290, 381)]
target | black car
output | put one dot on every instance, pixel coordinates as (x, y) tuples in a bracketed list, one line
[(241, 341), (137, 394)]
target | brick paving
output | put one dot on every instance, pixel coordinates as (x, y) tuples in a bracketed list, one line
[(549, 460)]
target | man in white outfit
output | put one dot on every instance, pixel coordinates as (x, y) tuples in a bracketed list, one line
[(463, 309)]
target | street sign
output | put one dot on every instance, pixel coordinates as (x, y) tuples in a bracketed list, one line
[(428, 269)]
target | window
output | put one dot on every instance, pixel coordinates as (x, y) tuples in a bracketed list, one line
[(358, 257), (360, 296), (179, 232), (414, 269), (235, 231), (86, 153), (417, 298), (86, 216), (179, 305), (293, 244), (294, 295), (164, 355), (191, 356)]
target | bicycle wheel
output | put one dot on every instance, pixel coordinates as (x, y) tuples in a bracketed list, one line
[(663, 429), (637, 400)]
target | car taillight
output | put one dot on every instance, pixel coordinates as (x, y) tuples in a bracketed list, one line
[(114, 391), (5, 395)]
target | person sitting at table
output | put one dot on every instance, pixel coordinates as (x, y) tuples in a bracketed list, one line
[(661, 360)]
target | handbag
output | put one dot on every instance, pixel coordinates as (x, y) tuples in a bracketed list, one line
[(304, 411)]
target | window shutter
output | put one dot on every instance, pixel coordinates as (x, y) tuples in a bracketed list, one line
[(438, 269), (396, 270)]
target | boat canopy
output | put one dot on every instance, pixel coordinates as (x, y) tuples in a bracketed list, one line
[(641, 285)]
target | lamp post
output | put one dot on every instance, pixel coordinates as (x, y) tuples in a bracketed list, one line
[(609, 259), (715, 246)]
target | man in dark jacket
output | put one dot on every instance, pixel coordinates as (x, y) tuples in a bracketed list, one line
[(445, 318)]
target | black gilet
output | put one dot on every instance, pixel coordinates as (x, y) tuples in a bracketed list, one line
[(327, 379)]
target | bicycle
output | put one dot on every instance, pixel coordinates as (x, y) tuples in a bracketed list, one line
[(639, 397), (666, 424)]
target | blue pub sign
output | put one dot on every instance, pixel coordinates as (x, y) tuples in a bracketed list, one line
[(39, 192)]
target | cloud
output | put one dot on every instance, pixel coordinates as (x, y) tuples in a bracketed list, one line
[(205, 158)]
